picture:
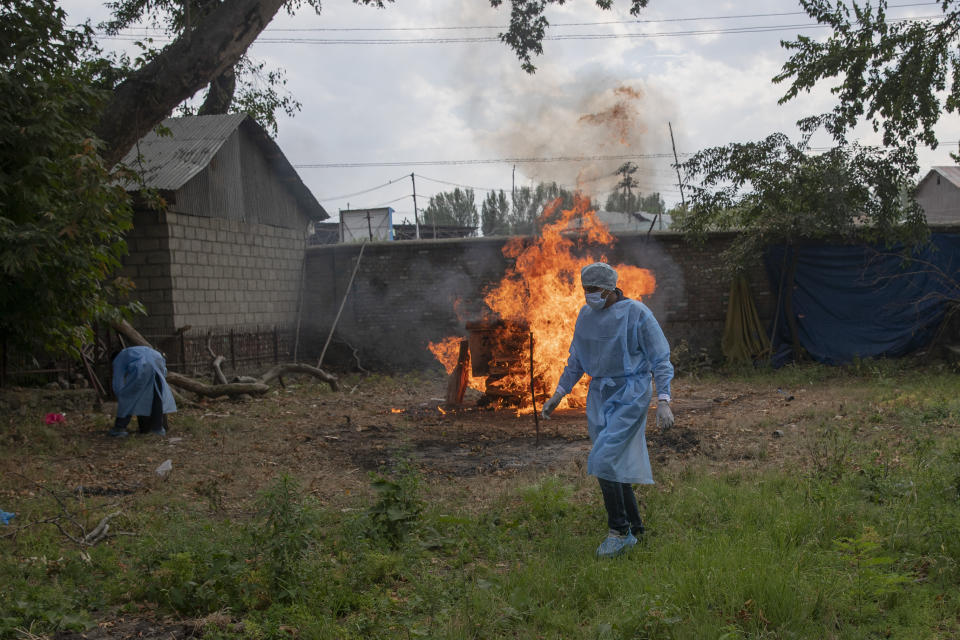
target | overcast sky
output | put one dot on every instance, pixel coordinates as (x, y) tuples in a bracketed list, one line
[(606, 87)]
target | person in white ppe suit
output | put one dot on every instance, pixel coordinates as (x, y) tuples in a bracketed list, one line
[(140, 384), (619, 343)]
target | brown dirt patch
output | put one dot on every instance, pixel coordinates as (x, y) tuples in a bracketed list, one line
[(224, 452)]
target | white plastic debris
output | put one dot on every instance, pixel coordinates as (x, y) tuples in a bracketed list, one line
[(165, 467)]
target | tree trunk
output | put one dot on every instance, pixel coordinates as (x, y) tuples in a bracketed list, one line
[(220, 94), (184, 67), (216, 390)]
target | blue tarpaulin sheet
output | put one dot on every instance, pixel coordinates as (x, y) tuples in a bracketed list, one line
[(862, 301)]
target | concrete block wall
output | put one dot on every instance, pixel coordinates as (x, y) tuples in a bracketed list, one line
[(226, 273), (148, 265), (407, 294)]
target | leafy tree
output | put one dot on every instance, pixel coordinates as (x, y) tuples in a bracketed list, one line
[(901, 76), (246, 87), (154, 88), (495, 214), (635, 202), (620, 201), (455, 207), (528, 26), (623, 199), (653, 203), (774, 191), (62, 215), (529, 204)]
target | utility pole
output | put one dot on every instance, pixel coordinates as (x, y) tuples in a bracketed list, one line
[(676, 164), (416, 217)]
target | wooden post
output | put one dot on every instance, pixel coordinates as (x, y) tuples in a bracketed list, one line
[(343, 302), (416, 217), (533, 395), (460, 376), (233, 353)]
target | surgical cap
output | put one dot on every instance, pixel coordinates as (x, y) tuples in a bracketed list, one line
[(599, 274)]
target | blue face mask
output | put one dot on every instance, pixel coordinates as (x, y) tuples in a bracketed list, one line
[(595, 300)]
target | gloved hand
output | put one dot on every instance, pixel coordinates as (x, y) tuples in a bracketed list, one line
[(664, 415), (551, 404)]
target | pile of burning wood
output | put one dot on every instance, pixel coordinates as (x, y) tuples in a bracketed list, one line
[(500, 352)]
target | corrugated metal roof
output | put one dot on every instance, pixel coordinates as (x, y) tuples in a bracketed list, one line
[(950, 173), (169, 161)]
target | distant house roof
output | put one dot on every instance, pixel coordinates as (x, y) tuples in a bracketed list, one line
[(952, 174), (169, 161), (621, 222)]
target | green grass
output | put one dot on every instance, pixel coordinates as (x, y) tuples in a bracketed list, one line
[(863, 542)]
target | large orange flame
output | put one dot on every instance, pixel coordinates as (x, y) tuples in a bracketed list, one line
[(542, 291)]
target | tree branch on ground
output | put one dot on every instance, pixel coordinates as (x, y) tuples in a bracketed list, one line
[(218, 377), (231, 389), (65, 520)]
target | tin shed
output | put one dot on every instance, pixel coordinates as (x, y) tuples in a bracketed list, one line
[(229, 248)]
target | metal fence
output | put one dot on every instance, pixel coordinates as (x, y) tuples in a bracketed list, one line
[(245, 349)]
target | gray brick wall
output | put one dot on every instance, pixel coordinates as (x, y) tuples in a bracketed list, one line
[(148, 265), (227, 273), (210, 272), (406, 293)]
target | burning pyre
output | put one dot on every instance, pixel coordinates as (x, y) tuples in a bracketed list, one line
[(540, 296)]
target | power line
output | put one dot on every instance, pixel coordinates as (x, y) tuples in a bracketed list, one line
[(428, 163), (535, 160), (383, 204), (560, 37), (360, 193), (455, 184), (651, 189), (561, 24), (576, 24)]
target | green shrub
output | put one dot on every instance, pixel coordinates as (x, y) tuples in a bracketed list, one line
[(398, 507), (284, 533)]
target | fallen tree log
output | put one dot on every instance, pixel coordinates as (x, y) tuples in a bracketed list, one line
[(216, 390), (294, 367), (259, 387)]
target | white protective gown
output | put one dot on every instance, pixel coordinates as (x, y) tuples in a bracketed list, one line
[(620, 347), (138, 374)]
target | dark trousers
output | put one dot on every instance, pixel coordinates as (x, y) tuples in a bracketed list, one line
[(623, 512), (151, 423)]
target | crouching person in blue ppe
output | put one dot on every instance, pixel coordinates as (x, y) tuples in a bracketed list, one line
[(619, 343), (140, 384)]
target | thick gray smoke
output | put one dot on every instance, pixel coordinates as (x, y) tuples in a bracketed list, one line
[(568, 117)]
